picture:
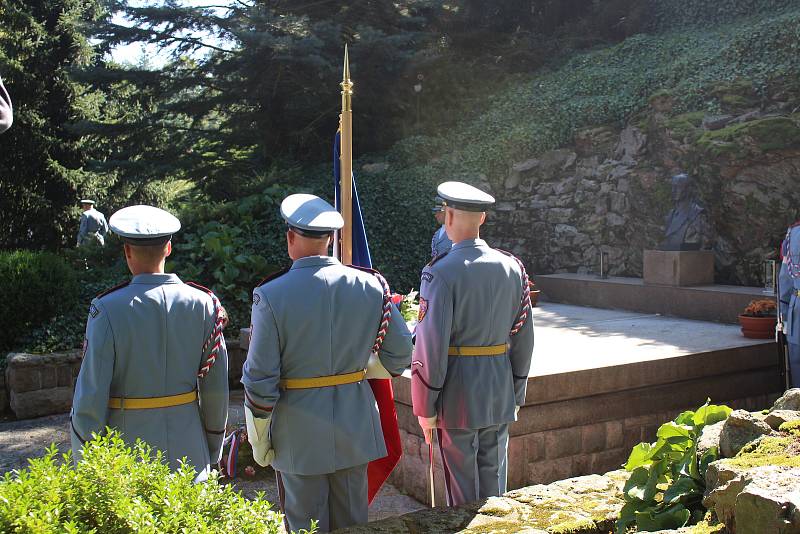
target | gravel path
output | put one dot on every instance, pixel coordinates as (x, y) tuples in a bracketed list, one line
[(20, 440)]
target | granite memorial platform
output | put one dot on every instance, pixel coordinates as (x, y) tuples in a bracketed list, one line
[(601, 382)]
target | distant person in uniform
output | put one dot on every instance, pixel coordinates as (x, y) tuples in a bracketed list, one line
[(440, 242), (309, 410), (155, 365), (93, 228), (6, 109), (473, 350), (789, 285)]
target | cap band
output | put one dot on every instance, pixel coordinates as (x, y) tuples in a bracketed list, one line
[(147, 241), (463, 206), (310, 233)]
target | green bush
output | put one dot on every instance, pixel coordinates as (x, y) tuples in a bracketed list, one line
[(36, 287), (665, 489), (121, 489)]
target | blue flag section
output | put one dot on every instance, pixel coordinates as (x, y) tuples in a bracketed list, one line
[(361, 255)]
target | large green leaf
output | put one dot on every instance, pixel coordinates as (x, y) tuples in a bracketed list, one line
[(640, 455), (682, 490), (673, 517), (709, 414)]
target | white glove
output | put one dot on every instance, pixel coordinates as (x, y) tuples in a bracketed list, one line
[(428, 425), (375, 368), (516, 413), (258, 436)]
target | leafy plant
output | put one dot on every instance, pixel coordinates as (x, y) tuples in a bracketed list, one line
[(409, 306), (667, 479), (37, 286), (117, 488)]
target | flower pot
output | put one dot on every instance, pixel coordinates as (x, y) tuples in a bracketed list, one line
[(758, 327), (534, 297)]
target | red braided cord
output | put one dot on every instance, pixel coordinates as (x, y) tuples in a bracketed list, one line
[(215, 338), (525, 303), (387, 313)]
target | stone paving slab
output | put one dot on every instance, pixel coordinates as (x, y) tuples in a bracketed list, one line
[(572, 338)]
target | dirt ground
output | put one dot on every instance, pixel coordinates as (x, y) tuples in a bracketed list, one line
[(20, 440)]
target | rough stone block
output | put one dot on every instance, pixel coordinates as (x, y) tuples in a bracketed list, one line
[(562, 442), (548, 471), (581, 465), (534, 446), (593, 437), (24, 379), (614, 434), (608, 460), (679, 268), (65, 377), (49, 374), (42, 402), (517, 461)]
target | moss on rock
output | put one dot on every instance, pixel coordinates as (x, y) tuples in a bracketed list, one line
[(686, 125), (763, 135), (770, 450)]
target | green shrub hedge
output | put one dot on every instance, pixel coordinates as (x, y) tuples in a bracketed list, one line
[(36, 286), (119, 489)]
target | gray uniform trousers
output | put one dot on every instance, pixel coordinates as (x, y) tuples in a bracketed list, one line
[(470, 297), (475, 462), (320, 319), (335, 500), (789, 300)]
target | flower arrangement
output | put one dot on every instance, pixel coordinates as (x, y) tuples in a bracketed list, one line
[(761, 308)]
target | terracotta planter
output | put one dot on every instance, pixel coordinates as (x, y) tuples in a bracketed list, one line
[(534, 297), (758, 327)]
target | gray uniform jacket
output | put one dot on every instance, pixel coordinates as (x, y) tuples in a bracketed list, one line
[(470, 297), (440, 242), (93, 226), (146, 340), (789, 285), (320, 318)]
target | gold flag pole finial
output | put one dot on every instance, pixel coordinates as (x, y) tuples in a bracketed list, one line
[(346, 163)]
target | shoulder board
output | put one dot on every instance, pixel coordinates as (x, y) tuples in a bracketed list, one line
[(364, 269), (273, 276), (437, 258), (204, 289), (112, 289)]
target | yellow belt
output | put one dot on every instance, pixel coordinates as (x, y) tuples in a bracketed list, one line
[(491, 350), (118, 403), (323, 381)]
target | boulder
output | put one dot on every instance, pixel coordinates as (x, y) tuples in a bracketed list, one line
[(631, 142), (788, 401), (716, 122), (739, 429), (709, 437), (776, 418)]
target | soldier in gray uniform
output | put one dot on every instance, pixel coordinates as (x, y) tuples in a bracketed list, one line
[(93, 227), (790, 298), (155, 365), (473, 350), (309, 410), (6, 110), (440, 243)]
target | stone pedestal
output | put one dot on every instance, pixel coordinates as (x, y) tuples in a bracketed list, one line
[(679, 268)]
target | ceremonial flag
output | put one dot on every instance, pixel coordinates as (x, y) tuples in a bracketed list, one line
[(378, 470)]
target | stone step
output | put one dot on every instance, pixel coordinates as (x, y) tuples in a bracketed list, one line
[(716, 303)]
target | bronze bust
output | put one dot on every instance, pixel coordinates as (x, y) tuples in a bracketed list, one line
[(687, 225)]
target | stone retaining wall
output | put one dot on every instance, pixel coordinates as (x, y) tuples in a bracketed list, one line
[(41, 384), (34, 385)]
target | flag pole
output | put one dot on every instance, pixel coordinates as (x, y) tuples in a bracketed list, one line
[(346, 164)]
